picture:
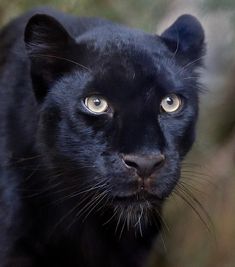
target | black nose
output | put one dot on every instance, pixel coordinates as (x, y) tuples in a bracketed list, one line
[(145, 165)]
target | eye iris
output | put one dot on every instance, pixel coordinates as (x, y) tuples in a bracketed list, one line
[(171, 103), (96, 104)]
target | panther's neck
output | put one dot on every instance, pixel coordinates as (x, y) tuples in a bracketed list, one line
[(104, 246), (88, 243)]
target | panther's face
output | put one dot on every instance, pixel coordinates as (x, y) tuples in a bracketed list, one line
[(118, 111)]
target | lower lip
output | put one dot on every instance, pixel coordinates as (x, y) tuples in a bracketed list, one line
[(141, 197)]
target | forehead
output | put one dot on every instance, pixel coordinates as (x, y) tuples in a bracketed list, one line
[(133, 69), (114, 45), (130, 62)]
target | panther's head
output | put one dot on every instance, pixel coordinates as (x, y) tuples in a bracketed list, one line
[(118, 109)]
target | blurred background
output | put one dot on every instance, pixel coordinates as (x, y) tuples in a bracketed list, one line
[(199, 224)]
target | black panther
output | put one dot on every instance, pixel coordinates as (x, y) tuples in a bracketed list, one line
[(95, 120)]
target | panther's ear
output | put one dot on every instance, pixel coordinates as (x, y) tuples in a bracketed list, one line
[(48, 45), (185, 37)]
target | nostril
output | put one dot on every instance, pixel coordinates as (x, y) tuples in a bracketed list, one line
[(159, 162), (130, 164)]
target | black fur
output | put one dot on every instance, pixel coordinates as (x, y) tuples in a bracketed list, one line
[(66, 197)]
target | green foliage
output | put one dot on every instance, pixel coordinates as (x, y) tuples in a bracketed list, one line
[(218, 4), (142, 13)]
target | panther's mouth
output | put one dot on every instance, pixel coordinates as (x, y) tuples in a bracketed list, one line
[(141, 197)]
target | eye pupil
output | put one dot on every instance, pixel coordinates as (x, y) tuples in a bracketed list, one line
[(97, 102), (169, 101)]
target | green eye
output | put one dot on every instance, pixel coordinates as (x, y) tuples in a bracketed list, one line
[(96, 104), (171, 103)]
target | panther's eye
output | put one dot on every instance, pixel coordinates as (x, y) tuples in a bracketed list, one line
[(171, 103), (96, 104)]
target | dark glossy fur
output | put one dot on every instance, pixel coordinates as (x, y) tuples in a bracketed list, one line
[(66, 198)]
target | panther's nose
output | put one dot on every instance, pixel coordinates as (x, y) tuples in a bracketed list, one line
[(145, 165)]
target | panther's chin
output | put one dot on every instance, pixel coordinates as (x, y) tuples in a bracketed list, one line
[(136, 213)]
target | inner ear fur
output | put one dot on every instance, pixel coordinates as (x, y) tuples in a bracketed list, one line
[(48, 45), (186, 38)]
